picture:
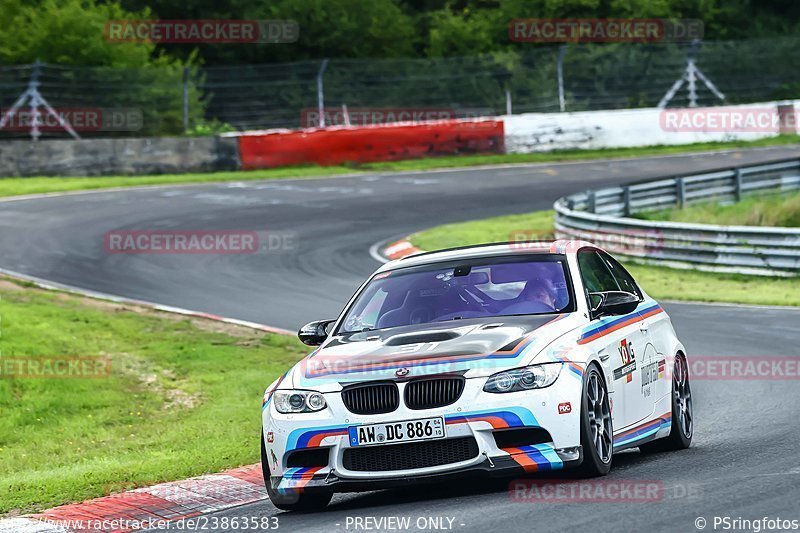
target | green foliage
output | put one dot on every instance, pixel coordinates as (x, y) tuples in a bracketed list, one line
[(328, 28), (481, 64), (69, 32), (116, 75), (205, 128)]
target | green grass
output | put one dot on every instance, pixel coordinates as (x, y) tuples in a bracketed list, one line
[(773, 210), (37, 185), (180, 401), (659, 282)]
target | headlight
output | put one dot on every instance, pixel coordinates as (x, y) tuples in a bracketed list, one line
[(299, 401), (528, 378)]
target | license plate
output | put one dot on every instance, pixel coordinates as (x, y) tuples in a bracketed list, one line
[(409, 430)]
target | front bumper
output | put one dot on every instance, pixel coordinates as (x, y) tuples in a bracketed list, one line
[(476, 414), (498, 467)]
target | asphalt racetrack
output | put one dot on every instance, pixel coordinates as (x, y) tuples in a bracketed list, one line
[(745, 460)]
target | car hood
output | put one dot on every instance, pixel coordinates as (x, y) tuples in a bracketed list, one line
[(472, 347)]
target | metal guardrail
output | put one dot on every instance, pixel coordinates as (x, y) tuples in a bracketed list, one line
[(603, 216)]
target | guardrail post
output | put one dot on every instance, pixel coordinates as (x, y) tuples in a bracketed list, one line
[(680, 192), (737, 184), (591, 201), (626, 196)]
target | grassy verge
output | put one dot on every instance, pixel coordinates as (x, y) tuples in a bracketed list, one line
[(38, 185), (773, 210), (182, 398), (659, 282)]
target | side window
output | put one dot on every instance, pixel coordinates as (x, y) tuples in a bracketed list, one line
[(595, 273), (625, 280)]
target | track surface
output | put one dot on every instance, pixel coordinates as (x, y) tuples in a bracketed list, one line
[(745, 461)]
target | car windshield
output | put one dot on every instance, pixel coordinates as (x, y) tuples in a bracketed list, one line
[(436, 293)]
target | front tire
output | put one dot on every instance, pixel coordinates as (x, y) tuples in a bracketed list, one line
[(292, 501), (680, 436), (597, 430)]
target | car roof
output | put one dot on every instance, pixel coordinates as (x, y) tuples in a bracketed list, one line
[(561, 247)]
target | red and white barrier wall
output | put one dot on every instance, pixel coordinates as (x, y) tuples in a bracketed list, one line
[(623, 128), (529, 132), (337, 145)]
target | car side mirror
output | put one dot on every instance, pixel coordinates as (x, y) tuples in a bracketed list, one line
[(315, 333), (613, 303)]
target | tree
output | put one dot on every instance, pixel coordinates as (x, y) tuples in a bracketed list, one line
[(70, 32)]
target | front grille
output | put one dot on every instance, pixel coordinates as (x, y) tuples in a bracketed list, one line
[(371, 399), (430, 393), (410, 455)]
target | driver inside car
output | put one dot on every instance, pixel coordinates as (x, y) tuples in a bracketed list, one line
[(538, 296)]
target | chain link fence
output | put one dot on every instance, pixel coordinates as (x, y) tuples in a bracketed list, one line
[(574, 77)]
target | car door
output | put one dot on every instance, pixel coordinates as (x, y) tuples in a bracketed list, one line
[(655, 328), (621, 342)]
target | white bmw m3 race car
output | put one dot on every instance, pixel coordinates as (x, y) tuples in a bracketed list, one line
[(497, 360)]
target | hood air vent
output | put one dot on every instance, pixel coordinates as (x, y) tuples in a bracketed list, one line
[(415, 338)]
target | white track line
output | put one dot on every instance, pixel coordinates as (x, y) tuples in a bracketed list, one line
[(52, 285)]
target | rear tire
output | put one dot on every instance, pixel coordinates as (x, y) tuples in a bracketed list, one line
[(597, 430), (680, 436), (292, 501)]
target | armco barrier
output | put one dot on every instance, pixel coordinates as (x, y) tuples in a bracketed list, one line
[(603, 215), (333, 146)]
